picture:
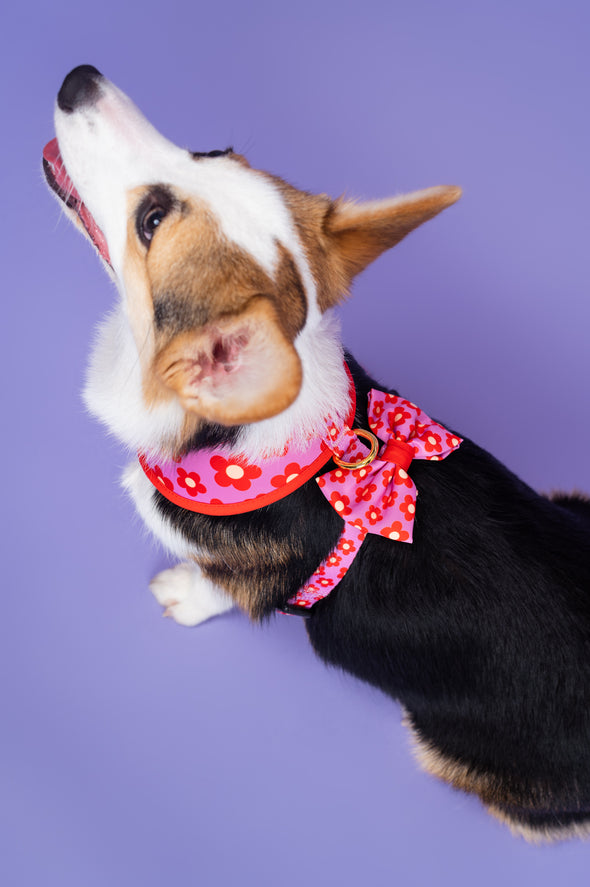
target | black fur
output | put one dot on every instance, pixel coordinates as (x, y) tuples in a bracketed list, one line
[(271, 550), (216, 153), (480, 627), (211, 434)]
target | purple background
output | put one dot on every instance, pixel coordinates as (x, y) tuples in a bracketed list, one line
[(137, 752)]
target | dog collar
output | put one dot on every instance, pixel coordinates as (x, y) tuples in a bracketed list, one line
[(219, 482), (371, 490)]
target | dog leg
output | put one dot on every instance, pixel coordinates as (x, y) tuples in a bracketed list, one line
[(188, 596)]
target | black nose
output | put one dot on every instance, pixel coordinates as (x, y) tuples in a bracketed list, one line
[(81, 87)]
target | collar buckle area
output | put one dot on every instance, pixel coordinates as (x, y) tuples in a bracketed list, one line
[(366, 460), (303, 612)]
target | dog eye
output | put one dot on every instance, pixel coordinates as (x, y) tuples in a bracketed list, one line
[(152, 210), (149, 224), (216, 153)]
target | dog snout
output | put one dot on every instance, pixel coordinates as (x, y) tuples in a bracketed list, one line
[(80, 88)]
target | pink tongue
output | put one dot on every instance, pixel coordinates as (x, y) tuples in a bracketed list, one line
[(69, 195)]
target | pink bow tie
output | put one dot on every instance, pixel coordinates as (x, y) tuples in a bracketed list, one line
[(379, 496)]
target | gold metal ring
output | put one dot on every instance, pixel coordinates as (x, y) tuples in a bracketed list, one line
[(368, 435)]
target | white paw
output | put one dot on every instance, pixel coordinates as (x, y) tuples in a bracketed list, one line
[(188, 597)]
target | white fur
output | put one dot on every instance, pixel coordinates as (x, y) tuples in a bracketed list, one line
[(109, 148), (188, 596), (113, 392), (141, 490)]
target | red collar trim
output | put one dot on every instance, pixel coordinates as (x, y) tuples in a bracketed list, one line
[(220, 483)]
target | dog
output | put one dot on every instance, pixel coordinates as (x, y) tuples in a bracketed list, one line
[(285, 479)]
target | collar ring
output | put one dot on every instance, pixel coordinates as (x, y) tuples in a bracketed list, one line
[(366, 460)]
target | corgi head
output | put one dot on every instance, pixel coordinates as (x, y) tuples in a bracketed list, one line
[(227, 275)]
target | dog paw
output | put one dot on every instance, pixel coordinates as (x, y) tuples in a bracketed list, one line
[(187, 596)]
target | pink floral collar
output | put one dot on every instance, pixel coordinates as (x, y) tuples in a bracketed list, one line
[(219, 482), (371, 490)]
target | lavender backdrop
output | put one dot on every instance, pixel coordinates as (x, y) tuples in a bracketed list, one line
[(136, 752)]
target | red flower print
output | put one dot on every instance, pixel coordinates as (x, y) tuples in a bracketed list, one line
[(360, 473), (365, 494), (395, 532), (333, 560), (374, 515), (432, 442), (397, 416), (326, 582), (346, 448), (453, 441), (388, 500), (338, 476), (403, 478), (292, 470), (387, 475), (377, 407), (235, 472), (357, 522), (408, 507), (340, 504), (191, 482), (161, 478), (346, 546), (342, 572)]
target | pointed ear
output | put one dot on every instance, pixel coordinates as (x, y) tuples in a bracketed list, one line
[(359, 233), (238, 369)]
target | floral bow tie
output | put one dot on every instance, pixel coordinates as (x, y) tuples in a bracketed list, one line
[(372, 491), (379, 496)]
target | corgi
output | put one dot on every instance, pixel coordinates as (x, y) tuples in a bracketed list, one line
[(285, 479)]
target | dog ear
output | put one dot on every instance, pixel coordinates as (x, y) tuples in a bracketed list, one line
[(235, 370), (359, 233)]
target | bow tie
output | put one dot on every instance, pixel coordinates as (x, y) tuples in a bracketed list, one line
[(373, 491)]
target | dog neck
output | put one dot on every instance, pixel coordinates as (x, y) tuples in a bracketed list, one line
[(222, 481), (114, 394)]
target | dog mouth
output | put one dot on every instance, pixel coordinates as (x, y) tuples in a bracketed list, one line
[(60, 182)]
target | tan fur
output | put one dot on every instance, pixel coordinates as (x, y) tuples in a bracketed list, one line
[(137, 287), (201, 287), (341, 238), (496, 796), (243, 571), (310, 212), (266, 382), (456, 773), (361, 232), (543, 834), (192, 293)]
